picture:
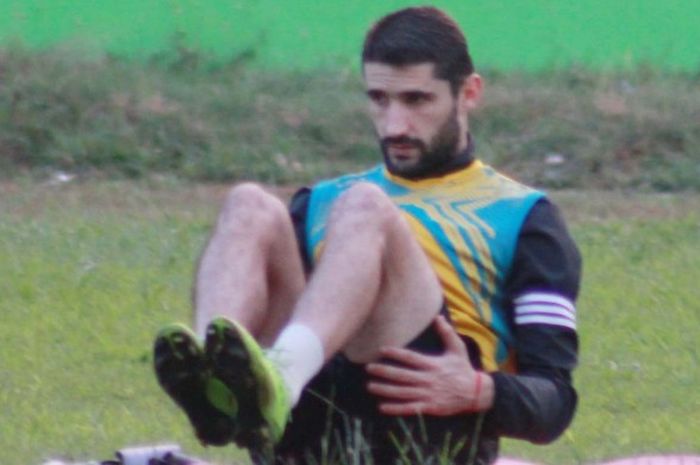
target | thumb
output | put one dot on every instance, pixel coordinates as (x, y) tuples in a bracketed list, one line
[(453, 343)]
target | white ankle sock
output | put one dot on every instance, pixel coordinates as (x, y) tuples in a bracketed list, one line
[(298, 354)]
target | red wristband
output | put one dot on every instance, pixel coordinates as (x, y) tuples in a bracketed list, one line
[(477, 392)]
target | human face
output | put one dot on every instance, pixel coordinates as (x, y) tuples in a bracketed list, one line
[(420, 122)]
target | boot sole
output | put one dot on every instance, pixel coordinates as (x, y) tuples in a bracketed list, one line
[(181, 372)]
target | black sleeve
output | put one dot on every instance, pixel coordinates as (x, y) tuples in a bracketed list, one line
[(298, 208), (546, 258), (538, 402)]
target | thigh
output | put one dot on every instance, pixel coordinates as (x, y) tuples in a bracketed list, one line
[(409, 298)]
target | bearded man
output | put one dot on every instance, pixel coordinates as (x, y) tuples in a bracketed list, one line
[(413, 313)]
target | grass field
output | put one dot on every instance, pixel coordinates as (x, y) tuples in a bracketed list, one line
[(178, 116), (91, 270)]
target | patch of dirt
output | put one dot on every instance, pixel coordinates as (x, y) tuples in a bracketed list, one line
[(601, 206), (157, 198), (130, 198)]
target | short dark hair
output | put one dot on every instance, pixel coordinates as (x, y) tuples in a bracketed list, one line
[(420, 35)]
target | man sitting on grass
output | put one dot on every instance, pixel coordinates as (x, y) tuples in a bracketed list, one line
[(430, 311)]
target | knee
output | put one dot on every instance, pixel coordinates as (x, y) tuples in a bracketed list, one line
[(249, 204), (364, 205)]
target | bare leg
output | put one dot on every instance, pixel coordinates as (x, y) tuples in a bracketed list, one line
[(250, 270), (373, 285)]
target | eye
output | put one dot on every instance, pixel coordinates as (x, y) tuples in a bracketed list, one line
[(415, 98), (377, 97)]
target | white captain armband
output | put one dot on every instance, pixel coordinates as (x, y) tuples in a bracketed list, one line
[(545, 309)]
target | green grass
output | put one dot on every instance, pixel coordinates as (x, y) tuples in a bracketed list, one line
[(91, 270), (84, 292), (175, 115), (639, 315)]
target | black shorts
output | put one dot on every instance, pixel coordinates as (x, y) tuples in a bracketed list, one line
[(337, 419)]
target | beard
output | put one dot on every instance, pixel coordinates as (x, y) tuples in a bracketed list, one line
[(433, 158)]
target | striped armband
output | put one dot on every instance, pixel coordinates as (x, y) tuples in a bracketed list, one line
[(543, 308)]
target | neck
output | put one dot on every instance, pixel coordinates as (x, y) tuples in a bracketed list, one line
[(461, 160)]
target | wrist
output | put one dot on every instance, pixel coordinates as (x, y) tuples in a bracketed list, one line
[(484, 392)]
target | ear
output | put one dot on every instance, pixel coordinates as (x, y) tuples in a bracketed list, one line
[(471, 90)]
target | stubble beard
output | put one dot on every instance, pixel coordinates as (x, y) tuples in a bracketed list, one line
[(433, 157)]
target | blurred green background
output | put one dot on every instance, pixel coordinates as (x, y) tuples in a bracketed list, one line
[(301, 34)]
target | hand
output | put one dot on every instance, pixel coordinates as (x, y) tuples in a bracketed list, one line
[(442, 385)]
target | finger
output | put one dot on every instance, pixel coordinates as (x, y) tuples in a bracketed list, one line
[(408, 357), (395, 391), (450, 338), (395, 374)]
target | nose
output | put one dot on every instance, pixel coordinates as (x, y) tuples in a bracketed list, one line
[(396, 121)]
